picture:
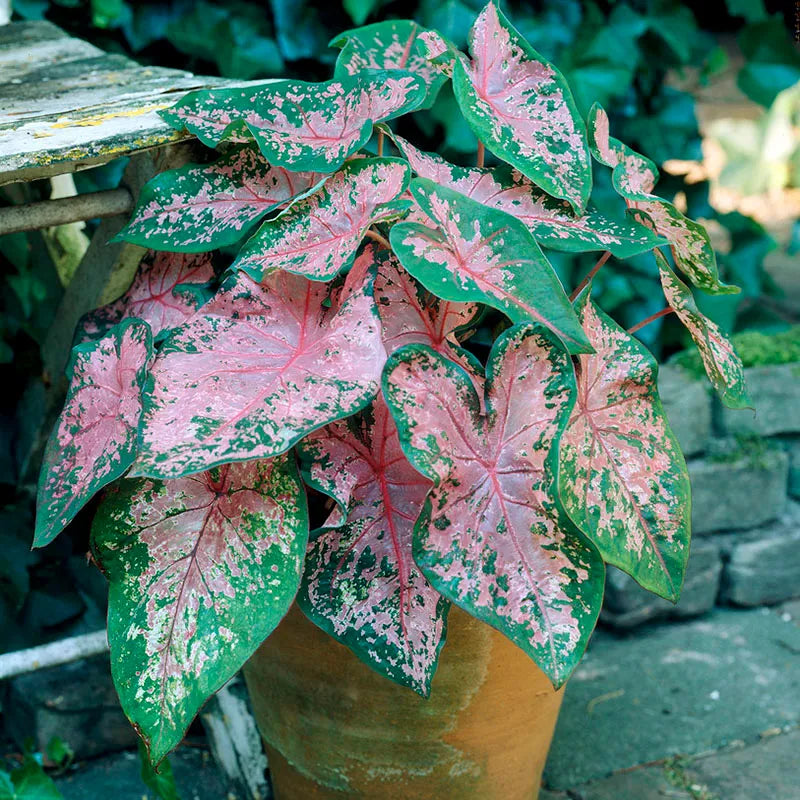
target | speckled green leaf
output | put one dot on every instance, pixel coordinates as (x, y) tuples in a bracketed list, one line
[(95, 438), (521, 108), (361, 583), (634, 177), (201, 207), (394, 44), (200, 572), (623, 479), (552, 222), (471, 253), (722, 364), (300, 126), (318, 236), (491, 537)]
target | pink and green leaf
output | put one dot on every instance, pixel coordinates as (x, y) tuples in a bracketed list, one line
[(471, 253), (623, 479), (319, 235), (258, 368), (95, 439), (301, 126), (552, 222), (167, 290), (396, 44), (722, 364), (361, 583), (200, 571), (634, 177), (521, 108), (491, 537), (201, 207)]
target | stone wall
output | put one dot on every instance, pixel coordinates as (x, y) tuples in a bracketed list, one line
[(745, 473)]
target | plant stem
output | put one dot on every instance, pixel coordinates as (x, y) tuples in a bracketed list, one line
[(592, 272), (651, 318), (376, 237), (380, 142), (481, 157)]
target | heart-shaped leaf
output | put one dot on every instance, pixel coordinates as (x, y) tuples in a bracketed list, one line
[(361, 584), (552, 222), (472, 253), (634, 177), (722, 364), (200, 571), (521, 108), (95, 438), (167, 290), (395, 44), (623, 479), (202, 207), (258, 368), (318, 236), (297, 125), (491, 537)]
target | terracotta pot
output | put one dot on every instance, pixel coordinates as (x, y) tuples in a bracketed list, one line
[(334, 728)]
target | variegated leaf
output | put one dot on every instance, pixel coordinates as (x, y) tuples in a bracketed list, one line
[(552, 222), (472, 253), (722, 364), (491, 537), (318, 236), (200, 571), (394, 44), (361, 584), (167, 290), (95, 438), (623, 479), (521, 108), (297, 125), (634, 177), (258, 368), (201, 207)]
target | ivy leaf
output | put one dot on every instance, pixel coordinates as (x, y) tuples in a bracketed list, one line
[(491, 537), (472, 253), (200, 572), (722, 365), (361, 584), (95, 438), (167, 290), (28, 782), (634, 177), (395, 44), (297, 125), (623, 480), (258, 368), (201, 207), (318, 236), (552, 222), (521, 108)]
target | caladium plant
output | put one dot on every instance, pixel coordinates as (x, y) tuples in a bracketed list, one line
[(391, 339)]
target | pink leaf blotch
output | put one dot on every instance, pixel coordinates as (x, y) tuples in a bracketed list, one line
[(297, 125), (623, 479), (552, 222), (722, 364), (468, 252), (491, 537), (201, 570), (634, 177), (201, 207), (95, 438), (257, 368), (167, 290), (361, 583), (318, 237), (522, 109)]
